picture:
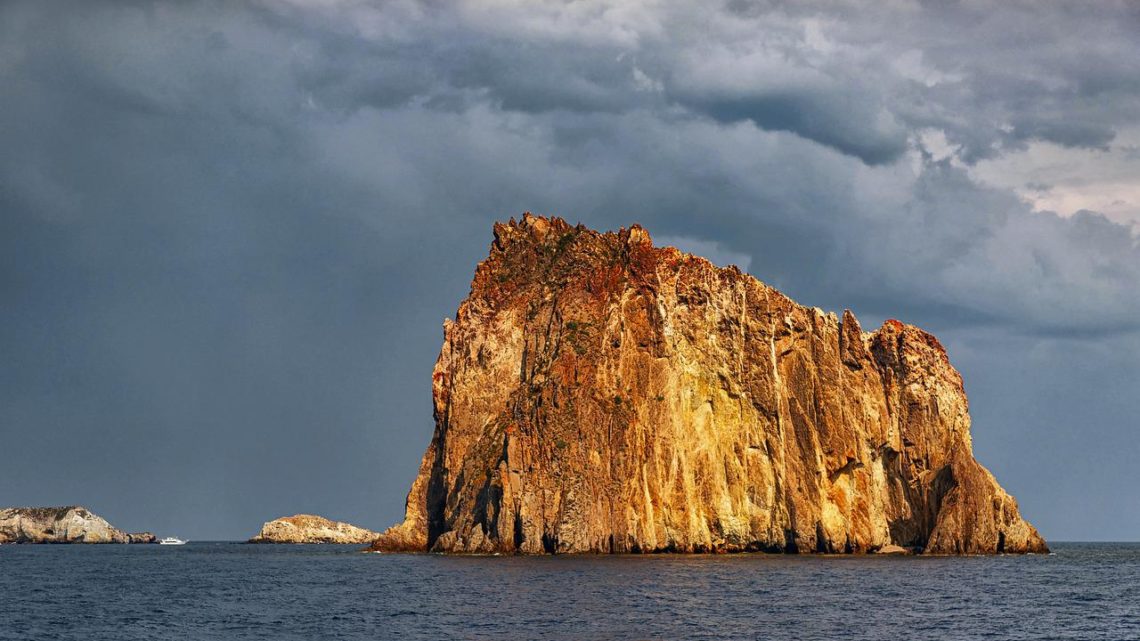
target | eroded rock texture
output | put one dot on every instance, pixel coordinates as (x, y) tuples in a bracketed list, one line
[(73, 524), (598, 394), (309, 528)]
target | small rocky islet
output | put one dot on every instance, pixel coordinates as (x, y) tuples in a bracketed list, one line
[(310, 528), (77, 524), (70, 524)]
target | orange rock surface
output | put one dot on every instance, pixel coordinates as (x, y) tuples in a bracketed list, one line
[(598, 394)]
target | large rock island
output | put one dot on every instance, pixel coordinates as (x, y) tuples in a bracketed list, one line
[(309, 528), (598, 394), (72, 524)]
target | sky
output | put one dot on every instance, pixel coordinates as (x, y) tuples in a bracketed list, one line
[(230, 231)]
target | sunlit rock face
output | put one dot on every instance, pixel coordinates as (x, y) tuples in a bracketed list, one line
[(72, 524), (309, 528), (598, 394)]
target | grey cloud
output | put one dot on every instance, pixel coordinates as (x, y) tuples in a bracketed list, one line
[(1024, 76), (1094, 136), (824, 118), (982, 249), (448, 67), (845, 88)]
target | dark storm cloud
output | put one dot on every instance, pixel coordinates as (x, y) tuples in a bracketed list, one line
[(822, 117), (830, 79), (831, 76), (229, 232), (1018, 72)]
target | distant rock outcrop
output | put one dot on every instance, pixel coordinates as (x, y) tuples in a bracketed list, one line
[(308, 528), (598, 394), (72, 524)]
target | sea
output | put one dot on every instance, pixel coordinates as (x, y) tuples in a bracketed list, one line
[(223, 590)]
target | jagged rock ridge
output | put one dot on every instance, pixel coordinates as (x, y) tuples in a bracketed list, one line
[(309, 528), (71, 524), (598, 394)]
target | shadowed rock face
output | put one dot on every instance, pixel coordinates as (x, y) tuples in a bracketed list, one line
[(308, 528), (73, 524), (598, 394)]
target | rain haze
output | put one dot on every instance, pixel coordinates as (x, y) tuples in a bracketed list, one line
[(230, 232)]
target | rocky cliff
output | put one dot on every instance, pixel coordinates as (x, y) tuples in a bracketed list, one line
[(74, 524), (598, 394), (308, 528)]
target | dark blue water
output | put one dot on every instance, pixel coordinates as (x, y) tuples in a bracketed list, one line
[(234, 591)]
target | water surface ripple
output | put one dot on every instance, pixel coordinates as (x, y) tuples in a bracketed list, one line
[(234, 591)]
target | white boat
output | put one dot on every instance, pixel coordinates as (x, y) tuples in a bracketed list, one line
[(170, 540)]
